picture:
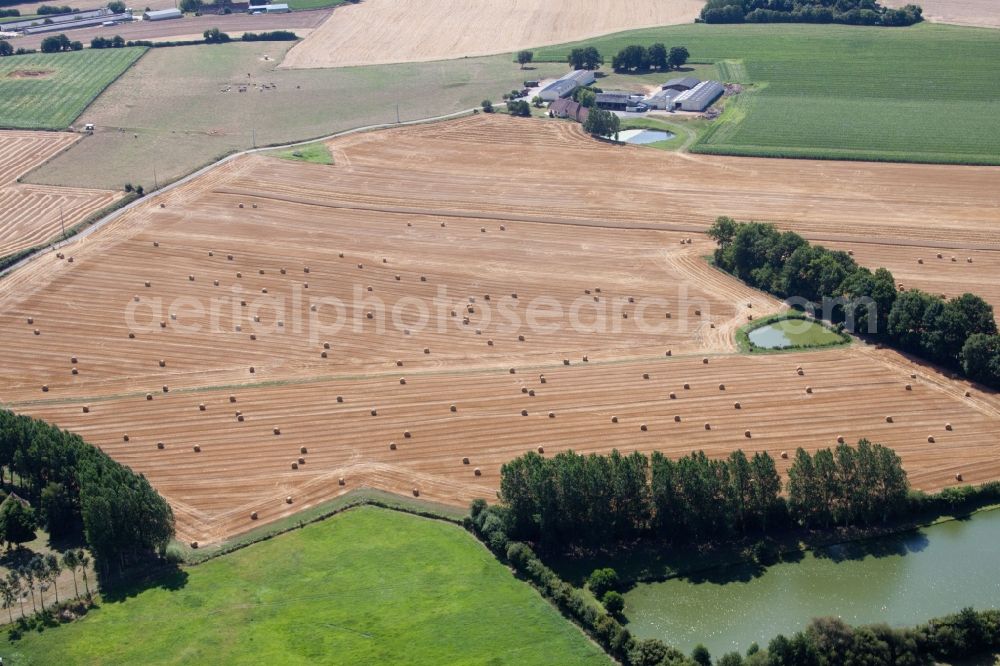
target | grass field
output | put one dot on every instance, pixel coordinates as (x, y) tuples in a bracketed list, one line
[(367, 586), (299, 5), (314, 153), (930, 93), (49, 91), (173, 100)]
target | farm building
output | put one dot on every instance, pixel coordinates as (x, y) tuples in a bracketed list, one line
[(662, 100), (280, 8), (613, 101), (700, 97), (162, 15), (567, 108), (564, 86), (681, 83)]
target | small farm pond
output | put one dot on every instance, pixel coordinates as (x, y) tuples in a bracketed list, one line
[(644, 136), (903, 580), (792, 333)]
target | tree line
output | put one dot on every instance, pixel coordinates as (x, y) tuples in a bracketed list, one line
[(80, 490), (59, 43), (852, 12), (637, 58), (586, 57), (959, 333), (596, 500), (38, 575)]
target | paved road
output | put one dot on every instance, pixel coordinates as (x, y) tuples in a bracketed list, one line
[(189, 25)]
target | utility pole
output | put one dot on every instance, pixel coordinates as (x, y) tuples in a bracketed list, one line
[(156, 184), (397, 113)]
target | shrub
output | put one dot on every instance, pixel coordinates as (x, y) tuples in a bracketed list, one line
[(613, 602), (602, 581)]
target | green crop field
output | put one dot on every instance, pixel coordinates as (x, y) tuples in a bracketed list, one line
[(929, 93), (367, 586), (50, 90), (314, 4)]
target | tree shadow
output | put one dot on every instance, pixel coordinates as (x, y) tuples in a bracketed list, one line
[(168, 577), (722, 575), (894, 545), (16, 557)]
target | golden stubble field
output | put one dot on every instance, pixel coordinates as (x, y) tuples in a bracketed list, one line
[(459, 229), (33, 214), (378, 32)]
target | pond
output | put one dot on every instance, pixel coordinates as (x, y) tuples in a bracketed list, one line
[(903, 581), (644, 136), (792, 333)]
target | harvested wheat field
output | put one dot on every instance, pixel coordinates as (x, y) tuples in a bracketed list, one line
[(378, 32), (32, 214), (981, 13), (488, 306)]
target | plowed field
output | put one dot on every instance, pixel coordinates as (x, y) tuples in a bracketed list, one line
[(434, 219)]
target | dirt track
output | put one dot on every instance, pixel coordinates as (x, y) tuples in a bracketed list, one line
[(390, 31), (32, 214), (566, 231)]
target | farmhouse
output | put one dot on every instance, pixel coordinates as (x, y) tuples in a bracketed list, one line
[(162, 15), (567, 108), (564, 86), (700, 97), (681, 83)]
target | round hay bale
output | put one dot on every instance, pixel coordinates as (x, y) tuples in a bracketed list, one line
[(668, 353), (531, 393), (136, 298), (453, 408), (809, 389), (194, 544), (643, 427), (673, 396), (968, 394), (148, 284), (541, 449), (930, 439), (840, 439), (645, 375), (86, 409), (253, 336), (800, 372), (482, 230), (477, 472), (423, 278), (190, 278), (229, 257), (416, 491), (341, 481), (624, 315), (705, 360), (326, 345), (406, 434), (947, 426), (687, 387), (131, 336), (614, 419), (514, 295), (953, 258), (232, 398), (239, 274), (288, 500), (340, 398), (888, 419), (264, 290), (958, 476), (520, 338), (711, 325), (552, 415), (565, 361), (512, 371), (276, 430), (737, 405), (722, 387), (784, 455), (524, 412), (465, 461), (402, 380), (586, 359), (697, 312), (253, 515), (239, 417), (166, 389), (969, 259), (302, 461), (392, 446), (749, 317), (305, 269), (677, 418), (149, 396), (541, 379), (427, 350), (201, 407), (708, 426), (920, 261), (260, 271), (361, 265), (161, 445), (197, 448), (215, 283), (125, 437), (163, 363), (282, 271), (746, 433), (74, 371), (252, 370), (668, 316), (241, 205), (163, 324), (211, 254), (374, 412), (399, 363), (909, 387)]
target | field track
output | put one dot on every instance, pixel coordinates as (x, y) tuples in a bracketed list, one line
[(30, 214), (429, 202), (378, 32)]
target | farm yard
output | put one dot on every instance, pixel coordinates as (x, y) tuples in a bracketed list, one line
[(324, 594), (32, 214), (378, 32), (49, 91), (927, 93), (252, 414)]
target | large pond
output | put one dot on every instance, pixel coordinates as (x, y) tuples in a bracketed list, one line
[(644, 136), (792, 333), (903, 580)]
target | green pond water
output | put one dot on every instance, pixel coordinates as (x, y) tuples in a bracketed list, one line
[(792, 333), (902, 580)]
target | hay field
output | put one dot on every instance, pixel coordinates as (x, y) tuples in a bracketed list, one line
[(32, 214), (378, 32), (419, 198), (981, 13)]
